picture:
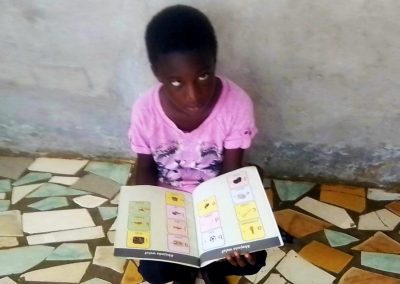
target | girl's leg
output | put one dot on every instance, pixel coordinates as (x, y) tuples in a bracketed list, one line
[(216, 271), (158, 272)]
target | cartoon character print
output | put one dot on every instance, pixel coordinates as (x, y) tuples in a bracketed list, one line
[(178, 163)]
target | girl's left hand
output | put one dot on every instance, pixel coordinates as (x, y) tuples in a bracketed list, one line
[(236, 259)]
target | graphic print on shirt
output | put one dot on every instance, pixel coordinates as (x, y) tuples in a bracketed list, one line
[(190, 163)]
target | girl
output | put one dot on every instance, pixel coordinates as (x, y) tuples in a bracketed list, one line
[(192, 126)]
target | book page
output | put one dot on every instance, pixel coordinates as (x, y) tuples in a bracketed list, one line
[(156, 223), (232, 213)]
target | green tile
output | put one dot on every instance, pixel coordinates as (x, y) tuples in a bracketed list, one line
[(50, 189), (18, 260), (381, 261), (49, 203), (5, 185), (4, 205), (337, 239), (32, 178), (116, 172), (108, 212), (290, 190), (73, 251)]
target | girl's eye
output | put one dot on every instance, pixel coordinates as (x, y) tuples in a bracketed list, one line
[(176, 83), (204, 77)]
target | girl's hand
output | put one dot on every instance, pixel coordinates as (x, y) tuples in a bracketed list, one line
[(236, 259)]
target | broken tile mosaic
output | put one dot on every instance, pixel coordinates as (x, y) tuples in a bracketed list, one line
[(116, 172), (377, 232)]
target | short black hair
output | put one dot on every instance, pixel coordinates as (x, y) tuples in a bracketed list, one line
[(179, 28)]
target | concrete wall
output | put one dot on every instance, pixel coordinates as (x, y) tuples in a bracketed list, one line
[(324, 76)]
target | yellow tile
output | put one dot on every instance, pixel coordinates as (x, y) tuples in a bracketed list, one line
[(394, 207), (131, 275), (379, 242), (349, 197), (298, 224), (233, 279), (358, 276), (325, 257)]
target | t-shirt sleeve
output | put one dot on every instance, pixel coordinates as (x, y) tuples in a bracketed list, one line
[(138, 139), (242, 128)]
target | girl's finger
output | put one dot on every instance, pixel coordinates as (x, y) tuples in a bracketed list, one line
[(240, 260), (250, 258), (231, 259)]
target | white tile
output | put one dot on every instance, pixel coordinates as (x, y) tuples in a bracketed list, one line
[(115, 200), (96, 281), (7, 280), (275, 278), (57, 220), (8, 242), (104, 256), (20, 192), (64, 180), (67, 236), (274, 255), (299, 271), (380, 194), (330, 213), (11, 224), (57, 166), (89, 201), (67, 273), (111, 236), (380, 220)]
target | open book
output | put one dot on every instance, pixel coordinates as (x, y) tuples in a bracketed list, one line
[(228, 213)]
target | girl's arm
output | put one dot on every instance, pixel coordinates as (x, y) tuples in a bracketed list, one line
[(145, 171), (233, 160)]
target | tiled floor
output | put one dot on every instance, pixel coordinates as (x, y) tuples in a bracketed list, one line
[(342, 234)]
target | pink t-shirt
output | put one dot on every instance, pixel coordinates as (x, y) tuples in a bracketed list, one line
[(186, 159)]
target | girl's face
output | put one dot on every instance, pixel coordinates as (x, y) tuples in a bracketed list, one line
[(188, 79)]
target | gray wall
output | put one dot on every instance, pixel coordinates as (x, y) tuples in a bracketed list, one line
[(324, 76)]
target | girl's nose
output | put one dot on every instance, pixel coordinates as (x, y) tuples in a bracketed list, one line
[(193, 95)]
